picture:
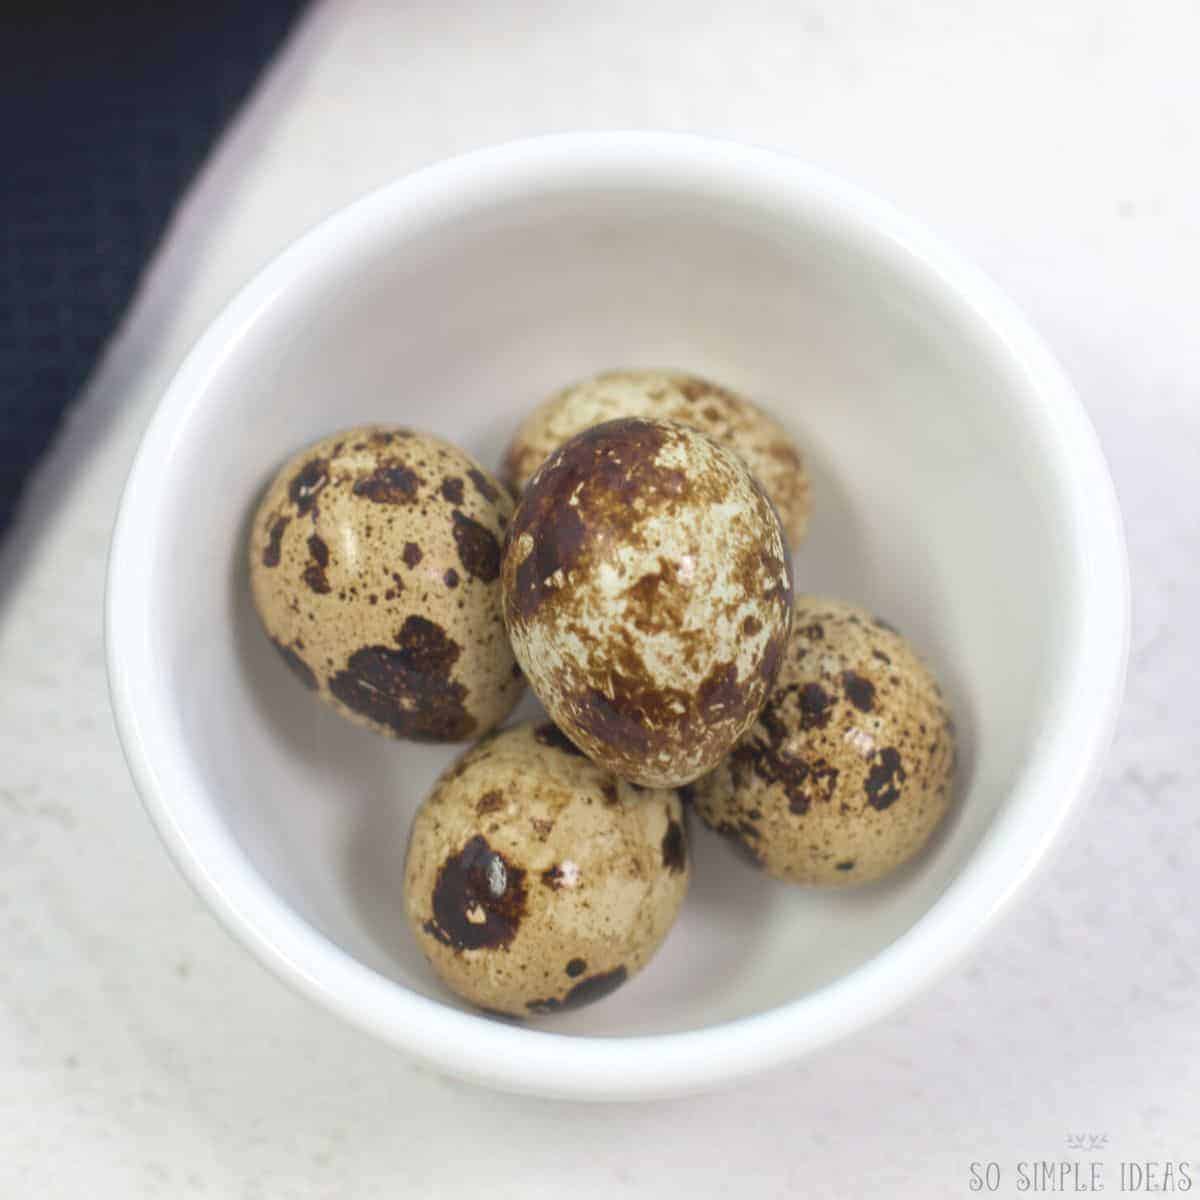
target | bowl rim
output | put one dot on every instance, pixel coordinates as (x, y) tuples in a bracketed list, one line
[(1063, 767)]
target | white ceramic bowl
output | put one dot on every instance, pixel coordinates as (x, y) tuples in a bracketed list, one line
[(958, 488)]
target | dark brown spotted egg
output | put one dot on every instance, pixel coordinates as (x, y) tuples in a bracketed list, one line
[(760, 441), (850, 768), (537, 881), (647, 592), (375, 569)]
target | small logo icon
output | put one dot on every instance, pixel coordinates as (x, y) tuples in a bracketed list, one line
[(1089, 1143)]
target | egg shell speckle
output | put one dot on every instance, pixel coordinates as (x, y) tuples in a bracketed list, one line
[(374, 567), (732, 420), (850, 767), (537, 881), (647, 593)]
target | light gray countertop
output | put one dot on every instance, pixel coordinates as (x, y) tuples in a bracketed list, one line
[(144, 1054)]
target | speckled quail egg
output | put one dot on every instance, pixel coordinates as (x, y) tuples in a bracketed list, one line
[(647, 592), (537, 881), (375, 569), (850, 767), (762, 444)]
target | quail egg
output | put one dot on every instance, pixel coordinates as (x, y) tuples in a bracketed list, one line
[(536, 880), (375, 570), (762, 444), (850, 767), (647, 592)]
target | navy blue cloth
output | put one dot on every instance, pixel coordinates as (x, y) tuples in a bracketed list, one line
[(107, 111)]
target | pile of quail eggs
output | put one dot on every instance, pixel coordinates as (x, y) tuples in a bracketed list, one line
[(633, 568)]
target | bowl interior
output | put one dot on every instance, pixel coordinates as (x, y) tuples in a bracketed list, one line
[(931, 492)]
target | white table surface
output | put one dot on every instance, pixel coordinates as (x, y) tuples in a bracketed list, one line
[(144, 1054)]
